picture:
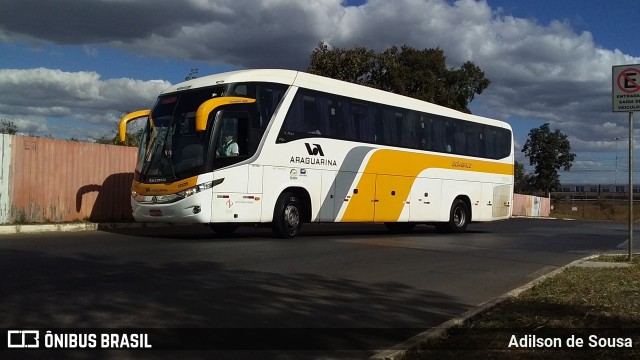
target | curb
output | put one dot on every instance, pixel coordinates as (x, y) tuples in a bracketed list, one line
[(31, 229), (398, 351), (75, 227), (541, 217)]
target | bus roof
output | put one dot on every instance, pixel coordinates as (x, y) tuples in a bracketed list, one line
[(333, 86), (286, 77)]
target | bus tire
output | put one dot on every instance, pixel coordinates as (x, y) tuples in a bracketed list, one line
[(459, 217), (223, 229), (399, 227), (287, 216)]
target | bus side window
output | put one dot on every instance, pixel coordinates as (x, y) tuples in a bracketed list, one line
[(353, 115), (308, 116), (241, 90), (390, 127), (504, 143), (438, 136), (473, 136), (234, 127), (268, 97), (459, 137), (408, 131), (336, 127), (244, 130), (423, 129), (325, 115), (490, 142), (378, 120), (368, 125)]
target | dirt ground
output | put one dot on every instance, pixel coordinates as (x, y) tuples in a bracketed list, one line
[(596, 210)]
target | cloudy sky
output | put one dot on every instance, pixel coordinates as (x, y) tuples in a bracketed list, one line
[(71, 68)]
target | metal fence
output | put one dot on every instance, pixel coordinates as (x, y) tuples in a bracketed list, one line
[(48, 180)]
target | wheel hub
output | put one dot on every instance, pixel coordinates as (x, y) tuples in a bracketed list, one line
[(291, 216), (458, 217)]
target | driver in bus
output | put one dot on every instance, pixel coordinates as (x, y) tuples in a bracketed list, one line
[(229, 146)]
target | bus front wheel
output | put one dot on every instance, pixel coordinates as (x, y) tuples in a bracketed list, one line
[(459, 218), (287, 216)]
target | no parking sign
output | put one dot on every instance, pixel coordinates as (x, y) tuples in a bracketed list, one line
[(626, 88), (626, 98)]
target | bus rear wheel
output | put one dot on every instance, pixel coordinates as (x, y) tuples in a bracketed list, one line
[(287, 216), (459, 218)]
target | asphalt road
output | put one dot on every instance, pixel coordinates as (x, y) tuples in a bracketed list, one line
[(330, 277)]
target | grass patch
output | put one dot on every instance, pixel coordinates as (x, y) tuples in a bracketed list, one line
[(622, 258), (600, 306), (608, 211)]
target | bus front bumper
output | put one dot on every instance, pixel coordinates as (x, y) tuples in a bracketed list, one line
[(193, 209)]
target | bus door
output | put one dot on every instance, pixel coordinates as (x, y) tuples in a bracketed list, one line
[(392, 198), (234, 199), (359, 197)]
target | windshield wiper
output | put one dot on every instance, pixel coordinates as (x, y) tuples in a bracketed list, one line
[(168, 149), (150, 155), (158, 154)]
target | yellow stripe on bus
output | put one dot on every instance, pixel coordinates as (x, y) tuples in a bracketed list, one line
[(163, 189), (394, 163)]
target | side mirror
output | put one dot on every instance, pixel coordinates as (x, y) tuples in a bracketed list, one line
[(206, 108), (122, 126)]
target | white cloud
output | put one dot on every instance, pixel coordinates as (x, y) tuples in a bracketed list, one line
[(30, 125), (30, 96)]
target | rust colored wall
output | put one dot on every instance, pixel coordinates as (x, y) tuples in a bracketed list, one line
[(59, 181)]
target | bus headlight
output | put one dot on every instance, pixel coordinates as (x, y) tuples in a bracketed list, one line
[(194, 190), (166, 199)]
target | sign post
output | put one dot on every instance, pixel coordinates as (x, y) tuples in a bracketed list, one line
[(626, 98)]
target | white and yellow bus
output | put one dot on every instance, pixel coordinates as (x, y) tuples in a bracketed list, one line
[(283, 147)]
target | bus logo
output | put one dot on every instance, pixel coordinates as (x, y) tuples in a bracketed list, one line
[(317, 149), (23, 338)]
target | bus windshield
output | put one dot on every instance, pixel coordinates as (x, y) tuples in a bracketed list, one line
[(170, 147)]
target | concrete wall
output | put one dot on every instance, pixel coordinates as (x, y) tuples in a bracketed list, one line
[(47, 180), (5, 160), (527, 205)]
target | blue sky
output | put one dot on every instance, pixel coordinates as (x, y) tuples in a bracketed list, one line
[(71, 69), (610, 22)]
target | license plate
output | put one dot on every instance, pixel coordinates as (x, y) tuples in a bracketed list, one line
[(155, 212)]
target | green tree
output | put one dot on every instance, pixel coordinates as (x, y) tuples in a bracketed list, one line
[(548, 152), (8, 127), (114, 139), (522, 180), (421, 74), (192, 75), (354, 65)]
